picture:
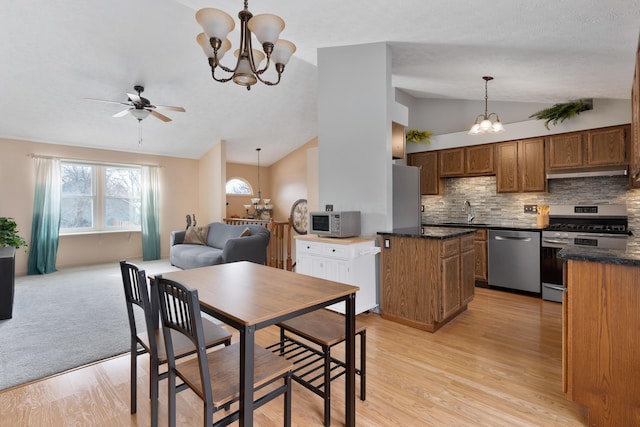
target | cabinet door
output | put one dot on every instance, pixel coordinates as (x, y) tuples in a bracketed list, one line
[(507, 167), (467, 280), (452, 162), (565, 151), (450, 286), (336, 270), (479, 160), (428, 163), (304, 264), (606, 147), (397, 141), (531, 165), (480, 268)]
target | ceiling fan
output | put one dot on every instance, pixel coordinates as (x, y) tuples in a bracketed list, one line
[(140, 107)]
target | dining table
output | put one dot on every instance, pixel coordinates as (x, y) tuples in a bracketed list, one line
[(249, 296)]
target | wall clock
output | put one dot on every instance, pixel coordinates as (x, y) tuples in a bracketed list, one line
[(300, 216)]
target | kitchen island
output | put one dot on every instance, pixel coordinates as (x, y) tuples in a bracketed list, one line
[(601, 332), (426, 275)]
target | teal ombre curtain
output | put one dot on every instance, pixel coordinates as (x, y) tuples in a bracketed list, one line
[(150, 211), (45, 224)]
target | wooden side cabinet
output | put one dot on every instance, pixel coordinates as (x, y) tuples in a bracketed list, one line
[(476, 160), (606, 147), (427, 161), (481, 271), (594, 148), (452, 162), (520, 166), (565, 151)]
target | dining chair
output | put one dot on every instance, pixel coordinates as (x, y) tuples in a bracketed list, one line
[(214, 376), (148, 338), (315, 368)]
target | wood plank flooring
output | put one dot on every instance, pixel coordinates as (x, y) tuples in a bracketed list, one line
[(497, 364)]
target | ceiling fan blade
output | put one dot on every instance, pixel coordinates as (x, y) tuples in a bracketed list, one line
[(108, 102), (160, 116), (169, 107), (121, 113), (135, 98)]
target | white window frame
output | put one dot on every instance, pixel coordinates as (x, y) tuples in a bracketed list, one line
[(239, 194), (99, 200)]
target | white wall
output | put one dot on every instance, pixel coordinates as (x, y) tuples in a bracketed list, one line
[(355, 107)]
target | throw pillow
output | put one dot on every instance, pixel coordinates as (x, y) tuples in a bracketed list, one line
[(246, 232), (196, 235)]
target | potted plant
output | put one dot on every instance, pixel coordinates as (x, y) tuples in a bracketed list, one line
[(562, 111), (10, 240), (415, 135)]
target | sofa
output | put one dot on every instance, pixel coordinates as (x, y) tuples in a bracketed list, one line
[(218, 243)]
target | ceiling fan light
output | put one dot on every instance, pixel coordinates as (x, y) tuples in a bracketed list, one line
[(282, 52), (266, 27), (215, 22), (139, 113)]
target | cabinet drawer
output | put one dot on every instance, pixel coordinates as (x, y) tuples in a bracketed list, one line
[(449, 247), (480, 235), (466, 243), (309, 248), (337, 251)]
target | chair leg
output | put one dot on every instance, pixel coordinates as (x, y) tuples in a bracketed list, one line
[(363, 365), (154, 368), (171, 388), (327, 385), (134, 376)]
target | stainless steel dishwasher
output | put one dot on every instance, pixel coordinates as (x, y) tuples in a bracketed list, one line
[(514, 260)]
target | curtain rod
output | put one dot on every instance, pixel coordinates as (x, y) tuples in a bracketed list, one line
[(94, 162)]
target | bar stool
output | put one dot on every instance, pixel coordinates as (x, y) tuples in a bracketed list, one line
[(315, 368)]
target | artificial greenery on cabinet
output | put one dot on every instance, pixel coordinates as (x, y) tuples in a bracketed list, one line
[(562, 111), (415, 135)]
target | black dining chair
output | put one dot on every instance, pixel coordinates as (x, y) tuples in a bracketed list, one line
[(214, 376), (314, 366), (148, 338)]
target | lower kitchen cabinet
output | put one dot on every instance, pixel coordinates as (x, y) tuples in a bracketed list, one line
[(601, 336), (351, 261), (481, 258), (426, 282)]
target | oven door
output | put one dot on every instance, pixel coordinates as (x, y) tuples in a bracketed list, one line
[(551, 273)]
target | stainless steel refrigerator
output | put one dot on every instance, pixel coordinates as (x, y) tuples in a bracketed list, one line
[(406, 196)]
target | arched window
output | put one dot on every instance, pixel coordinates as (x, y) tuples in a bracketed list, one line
[(239, 186)]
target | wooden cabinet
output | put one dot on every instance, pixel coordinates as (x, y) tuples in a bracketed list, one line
[(398, 141), (427, 161), (520, 166), (590, 149), (481, 271), (475, 160), (426, 282), (350, 261), (634, 159), (600, 341)]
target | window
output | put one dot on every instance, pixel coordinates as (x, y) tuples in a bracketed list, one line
[(238, 186), (99, 198)]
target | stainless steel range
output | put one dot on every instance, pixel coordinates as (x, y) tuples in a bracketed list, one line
[(601, 226)]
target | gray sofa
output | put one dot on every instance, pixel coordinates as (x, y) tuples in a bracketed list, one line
[(223, 245)]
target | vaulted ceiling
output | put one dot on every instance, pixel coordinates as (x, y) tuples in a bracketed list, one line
[(54, 55)]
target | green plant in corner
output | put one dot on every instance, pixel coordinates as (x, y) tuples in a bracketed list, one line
[(416, 136), (9, 235), (562, 112)]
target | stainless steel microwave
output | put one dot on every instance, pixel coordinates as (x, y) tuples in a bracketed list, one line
[(335, 224)]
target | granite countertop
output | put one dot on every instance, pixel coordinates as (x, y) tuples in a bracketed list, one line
[(508, 225), (630, 256), (441, 233)]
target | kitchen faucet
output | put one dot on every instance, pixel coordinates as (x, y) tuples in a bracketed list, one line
[(466, 207)]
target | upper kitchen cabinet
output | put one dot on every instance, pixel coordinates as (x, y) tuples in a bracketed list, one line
[(594, 148), (476, 160), (397, 141), (634, 159), (520, 166), (427, 161)]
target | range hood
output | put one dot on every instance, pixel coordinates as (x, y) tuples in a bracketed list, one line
[(568, 173)]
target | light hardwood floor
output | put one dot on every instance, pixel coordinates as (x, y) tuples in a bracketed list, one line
[(497, 364)]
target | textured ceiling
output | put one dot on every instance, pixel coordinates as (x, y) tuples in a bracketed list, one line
[(56, 54)]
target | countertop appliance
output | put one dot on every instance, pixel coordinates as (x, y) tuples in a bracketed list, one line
[(335, 224), (602, 226), (514, 260)]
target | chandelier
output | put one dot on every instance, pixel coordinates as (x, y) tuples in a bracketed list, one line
[(261, 207), (217, 24), (483, 123)]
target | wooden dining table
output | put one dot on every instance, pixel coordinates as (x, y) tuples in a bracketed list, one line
[(249, 296)]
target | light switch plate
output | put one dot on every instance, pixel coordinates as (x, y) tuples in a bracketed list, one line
[(531, 209)]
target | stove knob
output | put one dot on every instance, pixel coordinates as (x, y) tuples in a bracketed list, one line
[(565, 235)]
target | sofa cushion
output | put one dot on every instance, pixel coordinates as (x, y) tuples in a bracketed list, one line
[(219, 233), (196, 235), (193, 256)]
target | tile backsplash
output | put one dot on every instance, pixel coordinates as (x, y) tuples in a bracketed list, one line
[(490, 207)]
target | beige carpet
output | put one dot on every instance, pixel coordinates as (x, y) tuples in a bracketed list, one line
[(66, 319)]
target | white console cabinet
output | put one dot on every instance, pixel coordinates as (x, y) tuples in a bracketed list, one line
[(351, 261)]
